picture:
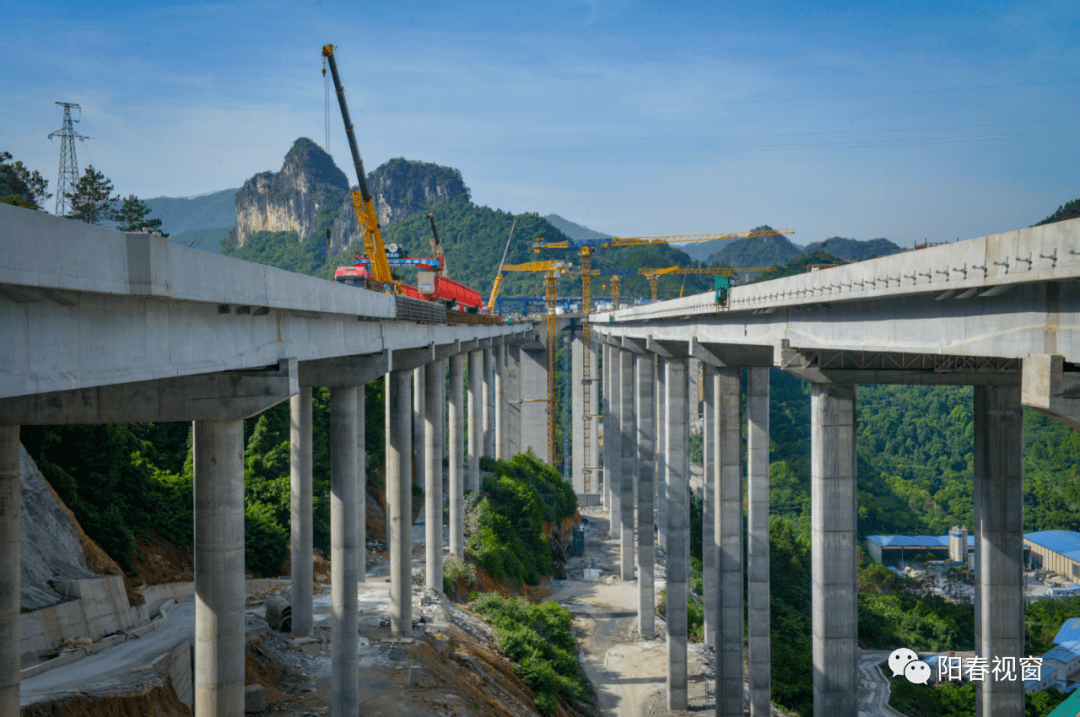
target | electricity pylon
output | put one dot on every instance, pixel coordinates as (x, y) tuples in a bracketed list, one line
[(69, 166)]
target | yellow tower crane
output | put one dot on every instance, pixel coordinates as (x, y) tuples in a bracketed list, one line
[(654, 275), (587, 246), (552, 271)]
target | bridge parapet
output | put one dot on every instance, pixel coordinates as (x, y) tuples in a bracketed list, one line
[(987, 266)]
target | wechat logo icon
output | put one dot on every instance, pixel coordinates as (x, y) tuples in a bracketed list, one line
[(905, 662)]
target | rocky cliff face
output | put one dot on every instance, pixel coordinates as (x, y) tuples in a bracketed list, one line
[(50, 548), (310, 194), (403, 187), (309, 188)]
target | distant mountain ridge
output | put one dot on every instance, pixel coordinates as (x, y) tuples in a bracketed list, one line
[(766, 250), (855, 249), (574, 230), (185, 214)]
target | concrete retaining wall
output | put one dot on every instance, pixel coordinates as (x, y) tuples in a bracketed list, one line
[(158, 595), (177, 667), (100, 608)]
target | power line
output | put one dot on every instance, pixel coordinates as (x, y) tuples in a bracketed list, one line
[(69, 165)]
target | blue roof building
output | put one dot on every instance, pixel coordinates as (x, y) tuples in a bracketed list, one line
[(1056, 550)]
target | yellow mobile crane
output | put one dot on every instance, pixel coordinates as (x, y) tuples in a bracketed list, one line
[(552, 270), (499, 275), (362, 200)]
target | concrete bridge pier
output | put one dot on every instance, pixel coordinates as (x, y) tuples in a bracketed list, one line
[(361, 485), (613, 469), (399, 500), (10, 508), (832, 547), (661, 455), (759, 670), (728, 528), (218, 448), (487, 393), (999, 490), (628, 449), (646, 552), (419, 425), (301, 540), (605, 401), (434, 400), (678, 520), (344, 539), (457, 455), (476, 429), (500, 402), (710, 441)]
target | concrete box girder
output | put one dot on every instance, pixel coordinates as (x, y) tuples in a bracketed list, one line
[(214, 396)]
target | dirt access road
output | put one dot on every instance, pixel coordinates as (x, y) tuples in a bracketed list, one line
[(629, 673)]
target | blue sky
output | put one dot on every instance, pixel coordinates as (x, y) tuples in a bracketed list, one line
[(906, 120)]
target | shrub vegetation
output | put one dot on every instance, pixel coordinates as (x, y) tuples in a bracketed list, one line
[(537, 637)]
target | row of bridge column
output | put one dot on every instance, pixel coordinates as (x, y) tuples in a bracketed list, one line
[(218, 448), (650, 448)]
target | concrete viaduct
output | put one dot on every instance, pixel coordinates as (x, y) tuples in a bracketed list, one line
[(97, 326), (1000, 313)]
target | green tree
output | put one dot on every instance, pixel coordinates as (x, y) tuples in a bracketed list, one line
[(91, 202), (20, 186), (134, 216)]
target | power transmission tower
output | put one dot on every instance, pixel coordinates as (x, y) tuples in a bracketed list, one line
[(69, 166)]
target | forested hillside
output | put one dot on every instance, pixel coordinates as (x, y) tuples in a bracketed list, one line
[(1070, 210), (473, 238)]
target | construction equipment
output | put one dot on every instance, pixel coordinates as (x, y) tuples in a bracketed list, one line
[(636, 241), (587, 246), (436, 247), (552, 271), (363, 202), (654, 275), (499, 275)]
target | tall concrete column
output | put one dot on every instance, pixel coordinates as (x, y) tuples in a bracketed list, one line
[(218, 448), (10, 569), (344, 550), (500, 403), (399, 499), (629, 463), (361, 486), (457, 455), (613, 432), (729, 539), (476, 428), (999, 540), (418, 408), (661, 448), (677, 450), (710, 479), (832, 548), (605, 389), (646, 439), (580, 414), (487, 394), (301, 545), (757, 569), (434, 380)]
